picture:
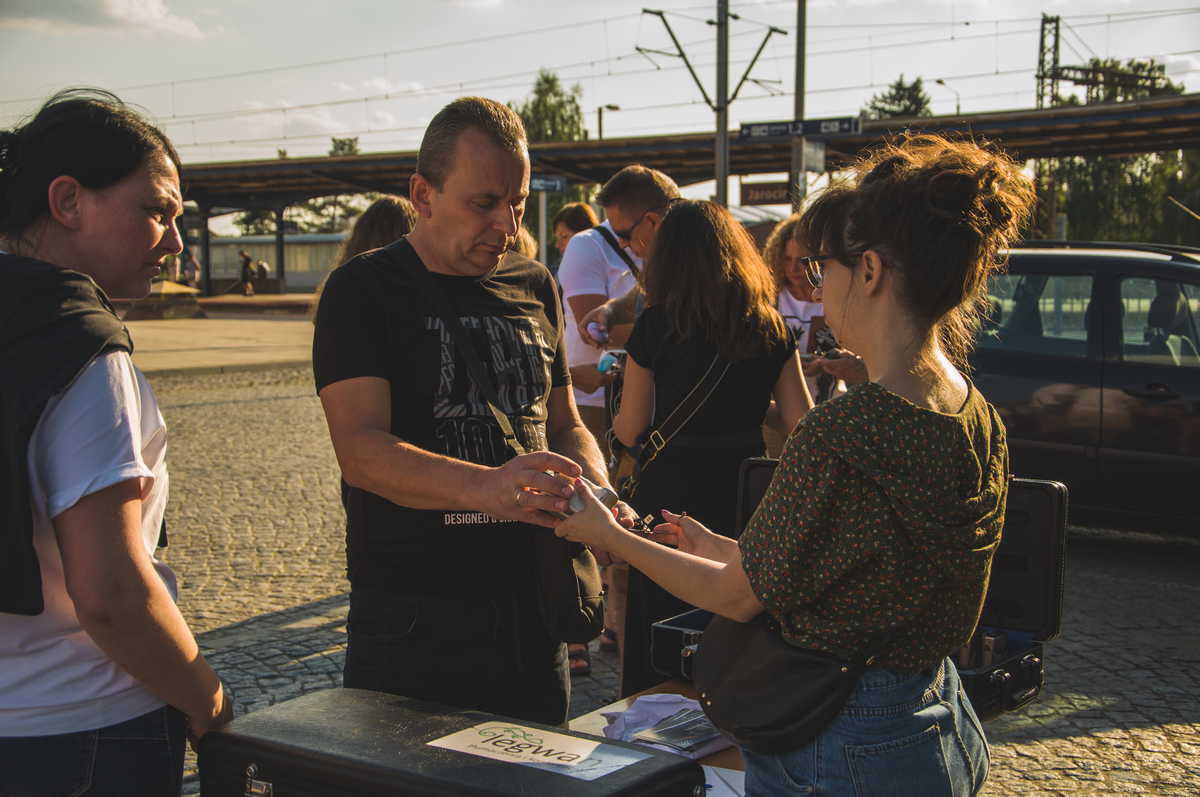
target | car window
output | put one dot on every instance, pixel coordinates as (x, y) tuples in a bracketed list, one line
[(1038, 313), (1158, 324)]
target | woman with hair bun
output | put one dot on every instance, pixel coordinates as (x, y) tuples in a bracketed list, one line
[(100, 677), (874, 541)]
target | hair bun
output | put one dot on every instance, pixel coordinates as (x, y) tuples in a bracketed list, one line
[(951, 194)]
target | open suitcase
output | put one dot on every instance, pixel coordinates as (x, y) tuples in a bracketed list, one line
[(357, 743), (1002, 669)]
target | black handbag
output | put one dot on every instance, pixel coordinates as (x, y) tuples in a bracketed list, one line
[(768, 695), (571, 592)]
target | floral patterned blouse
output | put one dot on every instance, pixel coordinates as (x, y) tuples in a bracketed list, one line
[(879, 526)]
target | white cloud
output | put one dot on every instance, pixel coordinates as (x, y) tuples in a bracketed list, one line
[(58, 16), (1181, 65)]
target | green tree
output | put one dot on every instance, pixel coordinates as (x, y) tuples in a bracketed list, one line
[(900, 100), (1125, 198), (552, 113)]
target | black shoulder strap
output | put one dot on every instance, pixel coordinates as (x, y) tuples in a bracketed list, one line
[(660, 435), (612, 241), (462, 341)]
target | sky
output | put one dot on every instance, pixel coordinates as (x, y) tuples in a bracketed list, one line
[(242, 79)]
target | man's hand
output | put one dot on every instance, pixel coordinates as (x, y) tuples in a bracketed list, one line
[(601, 316), (522, 490)]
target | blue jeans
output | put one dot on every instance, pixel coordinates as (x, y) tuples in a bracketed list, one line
[(899, 734), (141, 757)]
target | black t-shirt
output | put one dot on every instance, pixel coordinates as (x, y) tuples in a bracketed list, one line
[(373, 320), (740, 400)]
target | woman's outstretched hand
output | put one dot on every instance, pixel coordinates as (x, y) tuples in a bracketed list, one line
[(687, 534), (594, 525)]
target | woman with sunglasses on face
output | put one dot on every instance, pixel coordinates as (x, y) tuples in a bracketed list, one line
[(875, 537), (100, 677), (710, 299)]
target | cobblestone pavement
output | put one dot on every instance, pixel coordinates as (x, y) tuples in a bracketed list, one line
[(257, 540)]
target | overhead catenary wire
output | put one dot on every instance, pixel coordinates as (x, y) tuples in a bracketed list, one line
[(488, 83)]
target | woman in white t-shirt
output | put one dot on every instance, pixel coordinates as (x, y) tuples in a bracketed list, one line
[(786, 256), (100, 677)]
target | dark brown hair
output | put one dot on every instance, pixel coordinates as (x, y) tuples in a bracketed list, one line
[(706, 271), (497, 121), (637, 189), (577, 216), (938, 211), (88, 134)]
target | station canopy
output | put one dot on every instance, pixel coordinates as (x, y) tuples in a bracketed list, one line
[(1151, 125)]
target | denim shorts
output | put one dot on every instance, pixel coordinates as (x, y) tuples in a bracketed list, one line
[(899, 735), (141, 757)]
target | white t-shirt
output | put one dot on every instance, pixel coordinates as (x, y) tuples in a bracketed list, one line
[(799, 315), (590, 266), (104, 429)]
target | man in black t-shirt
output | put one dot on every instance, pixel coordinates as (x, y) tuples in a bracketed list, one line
[(440, 517)]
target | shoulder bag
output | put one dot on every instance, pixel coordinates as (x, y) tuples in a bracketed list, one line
[(767, 694), (572, 596)]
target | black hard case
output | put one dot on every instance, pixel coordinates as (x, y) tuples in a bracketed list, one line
[(1024, 597), (359, 743)]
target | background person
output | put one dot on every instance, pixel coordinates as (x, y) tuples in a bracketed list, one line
[(587, 279), (99, 674), (246, 279), (389, 218), (572, 218), (597, 266), (885, 511), (708, 293)]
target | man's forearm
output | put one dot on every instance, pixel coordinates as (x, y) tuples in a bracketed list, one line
[(410, 476), (576, 443)]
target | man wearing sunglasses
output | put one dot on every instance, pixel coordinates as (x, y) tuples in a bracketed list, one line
[(599, 265), (635, 200)]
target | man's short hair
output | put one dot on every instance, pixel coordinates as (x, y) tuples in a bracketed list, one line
[(498, 122), (637, 189)]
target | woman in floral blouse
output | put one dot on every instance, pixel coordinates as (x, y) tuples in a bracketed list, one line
[(888, 502)]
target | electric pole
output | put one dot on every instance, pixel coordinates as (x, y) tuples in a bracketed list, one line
[(721, 156), (723, 98), (798, 179)]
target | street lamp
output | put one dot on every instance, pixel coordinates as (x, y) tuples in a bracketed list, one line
[(957, 105), (600, 118)]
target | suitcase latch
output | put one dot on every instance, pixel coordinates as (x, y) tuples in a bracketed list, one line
[(254, 787)]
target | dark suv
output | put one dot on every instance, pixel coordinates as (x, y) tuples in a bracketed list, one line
[(1092, 356)]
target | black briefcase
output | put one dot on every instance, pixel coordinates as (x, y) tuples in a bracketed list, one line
[(358, 743), (1002, 669)]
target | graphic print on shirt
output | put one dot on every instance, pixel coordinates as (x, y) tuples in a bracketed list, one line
[(517, 356)]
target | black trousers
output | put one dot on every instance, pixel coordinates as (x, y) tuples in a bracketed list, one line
[(487, 654)]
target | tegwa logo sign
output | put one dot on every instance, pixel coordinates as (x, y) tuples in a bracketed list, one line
[(521, 742), (507, 741)]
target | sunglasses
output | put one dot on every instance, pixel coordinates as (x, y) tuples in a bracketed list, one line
[(627, 235), (814, 269)]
